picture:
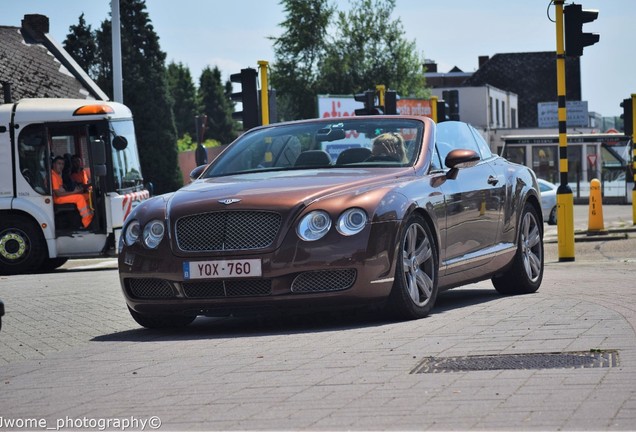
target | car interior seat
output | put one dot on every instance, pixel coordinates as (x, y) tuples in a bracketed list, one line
[(313, 158), (353, 155)]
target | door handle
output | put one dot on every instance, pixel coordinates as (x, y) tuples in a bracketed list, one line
[(492, 180)]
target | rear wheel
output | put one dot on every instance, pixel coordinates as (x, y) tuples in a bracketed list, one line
[(161, 321), (526, 272), (415, 287), (22, 246)]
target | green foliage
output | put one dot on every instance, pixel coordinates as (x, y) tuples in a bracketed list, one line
[(360, 49), (216, 104), (80, 43), (298, 52), (186, 143), (184, 98)]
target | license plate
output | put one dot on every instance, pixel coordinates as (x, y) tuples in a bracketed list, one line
[(222, 269)]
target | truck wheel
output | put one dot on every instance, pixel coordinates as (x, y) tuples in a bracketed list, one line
[(161, 321), (22, 246)]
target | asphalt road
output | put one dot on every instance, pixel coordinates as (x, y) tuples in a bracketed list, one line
[(72, 358)]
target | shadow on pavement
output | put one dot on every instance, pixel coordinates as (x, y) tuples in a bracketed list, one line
[(295, 323)]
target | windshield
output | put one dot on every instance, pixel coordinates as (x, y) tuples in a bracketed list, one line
[(364, 142), (126, 166)]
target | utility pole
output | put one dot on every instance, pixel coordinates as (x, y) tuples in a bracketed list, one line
[(118, 92)]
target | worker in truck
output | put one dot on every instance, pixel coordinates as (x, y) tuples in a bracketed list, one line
[(63, 196), (79, 174)]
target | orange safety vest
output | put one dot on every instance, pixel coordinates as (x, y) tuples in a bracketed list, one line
[(78, 199)]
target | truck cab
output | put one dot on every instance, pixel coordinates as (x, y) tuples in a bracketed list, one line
[(37, 234)]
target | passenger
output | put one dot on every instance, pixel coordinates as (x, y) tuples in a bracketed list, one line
[(79, 174), (63, 196), (389, 145)]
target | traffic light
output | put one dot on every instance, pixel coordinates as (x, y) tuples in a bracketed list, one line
[(627, 116), (575, 39), (390, 102), (452, 101), (248, 96), (443, 111), (368, 99)]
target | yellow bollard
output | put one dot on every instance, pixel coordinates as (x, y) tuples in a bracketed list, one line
[(595, 222)]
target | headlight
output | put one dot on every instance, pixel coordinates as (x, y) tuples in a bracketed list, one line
[(314, 225), (132, 232), (352, 221), (153, 233)]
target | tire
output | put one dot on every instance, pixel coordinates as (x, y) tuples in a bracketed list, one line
[(525, 274), (552, 220), (415, 286), (22, 246), (161, 321)]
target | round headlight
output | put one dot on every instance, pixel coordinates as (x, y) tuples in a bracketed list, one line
[(314, 225), (153, 233), (132, 232), (351, 221)]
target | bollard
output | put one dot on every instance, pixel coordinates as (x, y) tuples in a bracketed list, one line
[(595, 222)]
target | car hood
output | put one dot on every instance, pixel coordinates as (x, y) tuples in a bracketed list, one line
[(280, 191)]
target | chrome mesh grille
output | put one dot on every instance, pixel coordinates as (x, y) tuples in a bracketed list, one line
[(149, 288), (235, 230), (228, 288), (321, 281)]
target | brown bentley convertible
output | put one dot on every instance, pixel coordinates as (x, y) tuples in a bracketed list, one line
[(334, 212)]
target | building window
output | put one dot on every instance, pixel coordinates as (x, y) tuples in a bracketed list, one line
[(503, 114), (497, 106), (513, 118), (492, 118)]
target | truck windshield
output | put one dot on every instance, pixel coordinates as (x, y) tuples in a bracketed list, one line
[(126, 166)]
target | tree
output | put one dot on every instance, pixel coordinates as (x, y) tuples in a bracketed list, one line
[(369, 48), (297, 55), (80, 43), (184, 98), (145, 91), (362, 48), (217, 106)]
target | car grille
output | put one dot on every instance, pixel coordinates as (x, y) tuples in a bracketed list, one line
[(218, 231), (149, 288), (321, 281), (235, 288)]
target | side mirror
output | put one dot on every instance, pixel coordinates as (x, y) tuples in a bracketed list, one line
[(195, 173), (120, 142), (98, 152), (460, 159)]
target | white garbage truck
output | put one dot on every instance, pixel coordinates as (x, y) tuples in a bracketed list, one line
[(36, 233)]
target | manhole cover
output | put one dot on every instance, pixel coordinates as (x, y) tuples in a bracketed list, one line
[(569, 360)]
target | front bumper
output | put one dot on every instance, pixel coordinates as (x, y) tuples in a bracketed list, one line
[(351, 271)]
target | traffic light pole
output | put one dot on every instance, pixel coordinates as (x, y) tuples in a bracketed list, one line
[(262, 65), (565, 199), (434, 108)]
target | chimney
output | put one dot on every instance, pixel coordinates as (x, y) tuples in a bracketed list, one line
[(430, 66), (36, 26), (483, 60)]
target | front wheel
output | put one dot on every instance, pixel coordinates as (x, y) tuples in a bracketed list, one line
[(161, 321), (526, 272), (22, 246), (415, 286)]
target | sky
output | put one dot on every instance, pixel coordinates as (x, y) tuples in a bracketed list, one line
[(236, 34)]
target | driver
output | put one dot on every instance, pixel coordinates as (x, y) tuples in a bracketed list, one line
[(389, 145)]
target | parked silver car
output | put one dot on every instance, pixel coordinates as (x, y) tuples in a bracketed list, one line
[(548, 201)]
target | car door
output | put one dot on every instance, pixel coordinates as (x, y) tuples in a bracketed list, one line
[(473, 202)]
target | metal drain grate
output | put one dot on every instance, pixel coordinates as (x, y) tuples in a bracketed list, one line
[(569, 360)]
